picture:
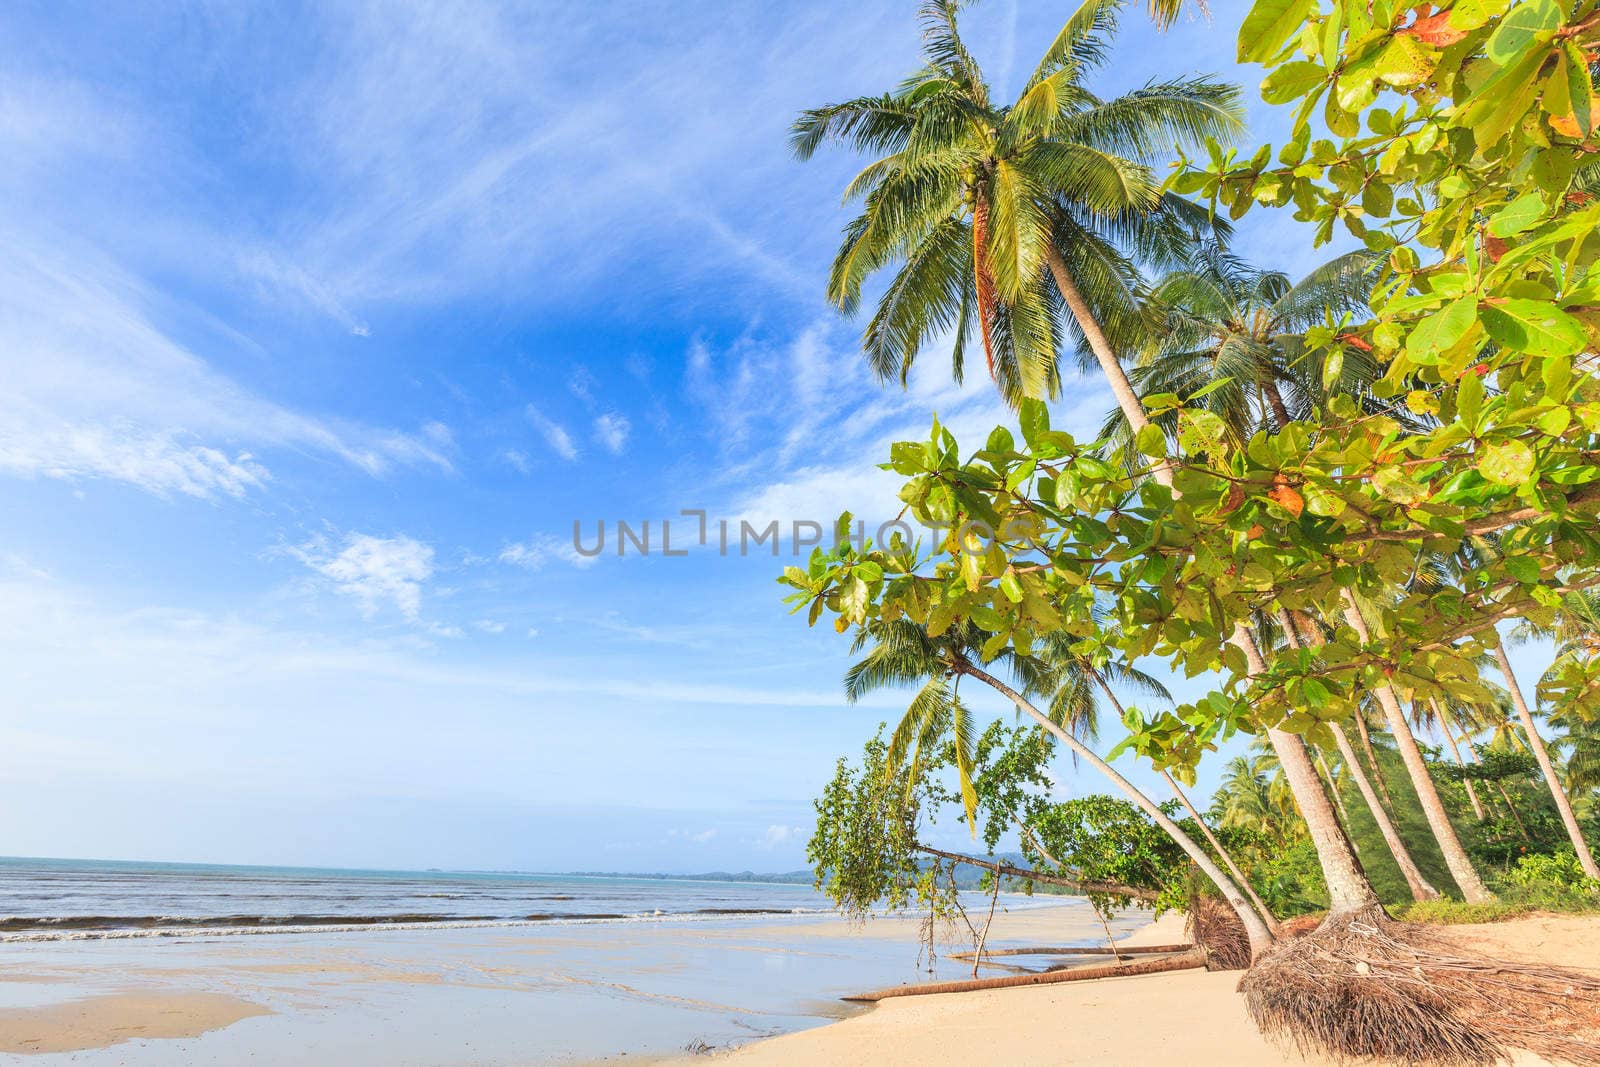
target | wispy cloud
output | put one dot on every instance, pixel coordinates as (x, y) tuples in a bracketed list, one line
[(377, 572), (555, 435), (541, 549), (612, 431)]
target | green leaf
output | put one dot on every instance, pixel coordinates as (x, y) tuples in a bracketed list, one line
[(1508, 463), (1442, 329), (1521, 28), (1524, 569), (1012, 588), (1034, 418), (1151, 441), (1292, 80), (1519, 215), (1537, 327), (1268, 26)]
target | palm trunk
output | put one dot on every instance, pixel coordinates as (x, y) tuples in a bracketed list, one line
[(1128, 400), (1233, 868), (1259, 936), (1372, 759), (1348, 887), (1280, 410), (1296, 632), (1535, 742), (1333, 788), (1455, 750), (984, 280), (1455, 857)]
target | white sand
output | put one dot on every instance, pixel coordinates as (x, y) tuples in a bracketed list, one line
[(1190, 1018)]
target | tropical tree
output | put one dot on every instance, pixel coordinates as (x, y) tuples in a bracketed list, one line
[(900, 652), (996, 216), (949, 181)]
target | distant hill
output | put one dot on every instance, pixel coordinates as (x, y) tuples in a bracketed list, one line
[(801, 877)]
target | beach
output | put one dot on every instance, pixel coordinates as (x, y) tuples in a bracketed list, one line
[(746, 993), (1193, 1017), (640, 989)]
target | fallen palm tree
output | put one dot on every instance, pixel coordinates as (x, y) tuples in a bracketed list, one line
[(1081, 950), (1183, 961)]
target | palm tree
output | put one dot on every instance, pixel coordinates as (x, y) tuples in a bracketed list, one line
[(1216, 323), (902, 652), (1075, 705), (998, 216), (1577, 633), (1062, 185), (1255, 796)]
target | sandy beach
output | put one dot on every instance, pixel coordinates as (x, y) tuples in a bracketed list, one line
[(1192, 1017), (745, 993), (529, 995)]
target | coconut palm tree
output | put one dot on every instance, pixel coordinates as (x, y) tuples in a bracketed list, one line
[(902, 652), (997, 216), (946, 181), (1217, 325)]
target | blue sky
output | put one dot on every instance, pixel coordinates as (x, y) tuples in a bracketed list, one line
[(319, 326)]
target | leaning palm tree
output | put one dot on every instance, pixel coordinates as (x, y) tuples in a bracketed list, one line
[(997, 216), (902, 652), (1080, 686), (1221, 325), (1577, 635)]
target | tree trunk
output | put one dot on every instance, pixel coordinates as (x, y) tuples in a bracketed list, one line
[(1128, 400), (1455, 750), (1535, 742), (1372, 759), (1348, 887), (984, 280), (1280, 411), (1296, 632), (1114, 889), (1455, 857), (1420, 889), (1260, 937), (1233, 868), (1333, 788)]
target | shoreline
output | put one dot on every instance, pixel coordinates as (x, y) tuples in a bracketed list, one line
[(539, 994)]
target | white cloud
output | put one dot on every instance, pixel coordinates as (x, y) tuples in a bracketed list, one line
[(376, 571), (698, 837), (612, 431), (778, 835), (540, 549), (94, 389), (516, 459), (555, 435), (490, 626)]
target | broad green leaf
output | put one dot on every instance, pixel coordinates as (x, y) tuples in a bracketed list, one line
[(1521, 213), (1442, 329), (1508, 463), (1533, 326), (1522, 26), (1151, 441), (1269, 25), (1292, 80)]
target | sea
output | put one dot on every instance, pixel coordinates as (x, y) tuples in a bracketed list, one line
[(60, 899)]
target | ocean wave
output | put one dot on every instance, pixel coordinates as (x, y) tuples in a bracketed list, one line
[(15, 929)]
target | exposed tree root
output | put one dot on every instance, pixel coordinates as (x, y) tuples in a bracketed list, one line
[(1364, 985), (1212, 925)]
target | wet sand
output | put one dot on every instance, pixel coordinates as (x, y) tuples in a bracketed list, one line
[(630, 992)]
